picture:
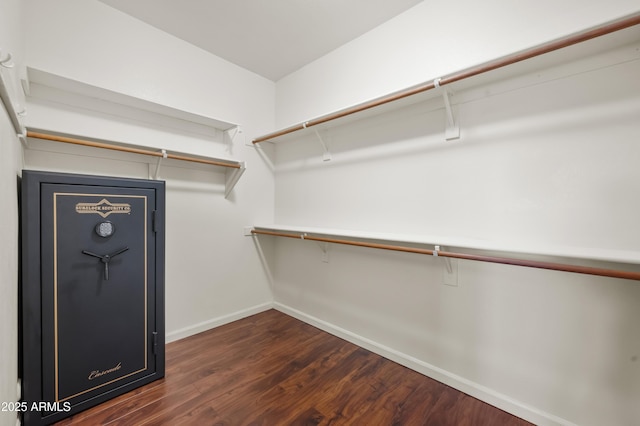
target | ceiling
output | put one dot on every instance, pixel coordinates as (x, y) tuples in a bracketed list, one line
[(269, 37)]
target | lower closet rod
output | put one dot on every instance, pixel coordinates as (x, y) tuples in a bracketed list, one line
[(613, 273)]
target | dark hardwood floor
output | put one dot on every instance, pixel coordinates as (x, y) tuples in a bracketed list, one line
[(271, 369)]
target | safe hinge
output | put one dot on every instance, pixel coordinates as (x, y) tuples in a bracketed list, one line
[(155, 343), (155, 220)]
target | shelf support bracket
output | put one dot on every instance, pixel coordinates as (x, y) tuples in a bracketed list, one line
[(447, 261), (25, 145), (450, 274), (156, 174), (325, 251), (237, 131), (326, 155), (23, 140), (232, 176), (232, 133), (452, 129)]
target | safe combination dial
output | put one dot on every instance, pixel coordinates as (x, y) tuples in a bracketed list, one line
[(105, 229)]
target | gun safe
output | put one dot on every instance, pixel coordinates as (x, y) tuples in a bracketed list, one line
[(92, 290)]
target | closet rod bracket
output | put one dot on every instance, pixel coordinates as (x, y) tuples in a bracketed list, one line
[(324, 246), (452, 127), (447, 261), (232, 176), (326, 155), (23, 140), (156, 174)]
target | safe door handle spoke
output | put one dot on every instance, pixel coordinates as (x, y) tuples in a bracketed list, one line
[(91, 254), (105, 259), (117, 252)]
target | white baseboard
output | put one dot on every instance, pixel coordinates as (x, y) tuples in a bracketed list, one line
[(216, 322), (476, 390)]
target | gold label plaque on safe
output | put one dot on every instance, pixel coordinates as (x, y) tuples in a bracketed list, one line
[(104, 208)]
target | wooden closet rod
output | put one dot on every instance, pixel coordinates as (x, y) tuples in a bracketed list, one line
[(103, 145), (613, 273), (607, 28)]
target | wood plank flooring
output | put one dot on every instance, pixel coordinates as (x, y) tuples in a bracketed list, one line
[(271, 369)]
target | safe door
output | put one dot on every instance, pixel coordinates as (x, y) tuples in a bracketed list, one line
[(93, 293)]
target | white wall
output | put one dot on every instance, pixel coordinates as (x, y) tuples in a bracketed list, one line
[(213, 271), (546, 345), (11, 40), (549, 164), (90, 42)]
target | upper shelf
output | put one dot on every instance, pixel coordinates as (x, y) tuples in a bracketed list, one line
[(598, 39), (233, 169), (54, 101), (73, 86)]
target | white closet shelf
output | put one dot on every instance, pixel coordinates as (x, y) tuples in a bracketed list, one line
[(578, 253), (75, 95), (233, 169), (63, 84), (599, 39)]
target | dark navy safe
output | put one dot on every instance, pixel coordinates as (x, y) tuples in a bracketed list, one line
[(92, 293)]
